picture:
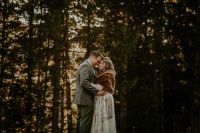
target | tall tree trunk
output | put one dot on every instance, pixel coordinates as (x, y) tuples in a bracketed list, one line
[(2, 55), (3, 43), (43, 108), (197, 57), (69, 109), (39, 104), (41, 88), (67, 58), (55, 73), (29, 101), (159, 83), (62, 110), (88, 41), (57, 22)]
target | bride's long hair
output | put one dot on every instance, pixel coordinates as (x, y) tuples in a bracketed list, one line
[(108, 64)]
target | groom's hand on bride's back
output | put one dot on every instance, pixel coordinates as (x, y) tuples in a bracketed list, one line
[(101, 93)]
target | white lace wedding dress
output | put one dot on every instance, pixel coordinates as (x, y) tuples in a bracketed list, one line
[(104, 115)]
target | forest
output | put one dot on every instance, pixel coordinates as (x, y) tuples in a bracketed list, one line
[(154, 45)]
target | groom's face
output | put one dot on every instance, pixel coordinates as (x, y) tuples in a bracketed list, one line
[(96, 60)]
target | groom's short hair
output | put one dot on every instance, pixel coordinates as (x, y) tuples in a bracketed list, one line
[(96, 53)]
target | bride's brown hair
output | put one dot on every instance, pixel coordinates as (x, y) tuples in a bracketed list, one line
[(108, 64)]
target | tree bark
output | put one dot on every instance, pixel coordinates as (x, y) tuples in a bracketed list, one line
[(29, 102)]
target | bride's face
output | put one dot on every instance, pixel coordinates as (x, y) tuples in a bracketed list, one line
[(102, 65)]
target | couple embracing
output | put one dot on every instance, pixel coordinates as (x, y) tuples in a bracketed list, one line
[(94, 95)]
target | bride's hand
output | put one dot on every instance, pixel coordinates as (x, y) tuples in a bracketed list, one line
[(100, 87)]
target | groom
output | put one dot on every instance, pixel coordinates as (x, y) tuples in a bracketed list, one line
[(85, 92)]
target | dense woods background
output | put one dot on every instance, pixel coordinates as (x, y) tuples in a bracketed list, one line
[(154, 45)]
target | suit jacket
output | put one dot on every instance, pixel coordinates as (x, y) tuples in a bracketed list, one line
[(84, 91)]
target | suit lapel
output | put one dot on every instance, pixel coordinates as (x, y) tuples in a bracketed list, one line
[(91, 67)]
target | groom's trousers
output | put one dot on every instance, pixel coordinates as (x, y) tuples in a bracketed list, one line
[(85, 117)]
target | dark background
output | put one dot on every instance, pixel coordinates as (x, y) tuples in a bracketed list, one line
[(154, 45)]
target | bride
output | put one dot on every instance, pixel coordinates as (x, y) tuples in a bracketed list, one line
[(104, 113)]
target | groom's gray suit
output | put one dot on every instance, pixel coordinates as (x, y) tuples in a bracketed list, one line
[(84, 96)]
